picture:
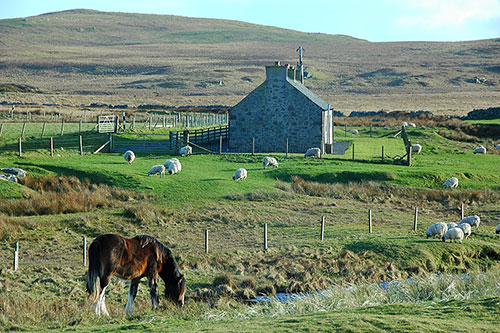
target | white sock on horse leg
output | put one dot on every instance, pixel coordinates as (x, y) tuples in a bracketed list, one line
[(129, 308)]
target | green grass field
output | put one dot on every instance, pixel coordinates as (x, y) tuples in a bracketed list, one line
[(178, 208)]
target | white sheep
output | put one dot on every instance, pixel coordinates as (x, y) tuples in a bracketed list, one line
[(437, 229), (451, 225), (412, 125), (466, 228), (354, 131), (498, 229), (269, 161), (184, 151), (416, 148), (159, 168), (498, 146), (473, 220), (173, 166), (404, 123), (129, 156), (454, 234), (313, 152), (240, 174), (12, 178), (451, 183), (479, 150), (18, 172)]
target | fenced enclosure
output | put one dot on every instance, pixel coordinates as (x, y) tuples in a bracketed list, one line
[(202, 239), (213, 138)]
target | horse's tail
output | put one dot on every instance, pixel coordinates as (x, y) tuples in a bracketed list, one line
[(93, 274)]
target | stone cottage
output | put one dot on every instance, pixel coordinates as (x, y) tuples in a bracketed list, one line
[(281, 108)]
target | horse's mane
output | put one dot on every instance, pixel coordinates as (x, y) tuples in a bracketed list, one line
[(145, 240)]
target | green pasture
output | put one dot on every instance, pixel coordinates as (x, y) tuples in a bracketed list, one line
[(208, 177), (484, 121), (203, 196)]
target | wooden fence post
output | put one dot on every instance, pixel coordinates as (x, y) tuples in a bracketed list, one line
[(370, 130), (81, 145), (16, 257), (206, 240), (370, 221), (51, 146), (22, 131), (80, 126), (415, 219), (286, 148), (353, 151), (409, 156), (220, 144), (322, 228), (20, 148), (84, 251), (1, 129), (43, 129), (265, 236), (253, 145), (62, 127)]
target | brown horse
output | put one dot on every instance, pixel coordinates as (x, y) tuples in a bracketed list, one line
[(132, 259)]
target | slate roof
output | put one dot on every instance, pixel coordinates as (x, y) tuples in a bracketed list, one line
[(309, 94)]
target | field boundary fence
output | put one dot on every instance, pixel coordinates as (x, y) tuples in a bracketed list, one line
[(214, 139), (263, 237)]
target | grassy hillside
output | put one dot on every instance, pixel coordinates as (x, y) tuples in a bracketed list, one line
[(70, 196), (83, 55)]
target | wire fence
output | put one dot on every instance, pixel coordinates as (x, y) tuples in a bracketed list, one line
[(208, 240)]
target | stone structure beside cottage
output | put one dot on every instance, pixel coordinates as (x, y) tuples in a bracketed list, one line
[(280, 108)]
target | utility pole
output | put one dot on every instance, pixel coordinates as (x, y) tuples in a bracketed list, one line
[(299, 64)]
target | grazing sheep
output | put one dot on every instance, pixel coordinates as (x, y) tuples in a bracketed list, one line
[(416, 148), (173, 166), (354, 131), (412, 125), (184, 151), (159, 168), (498, 229), (466, 228), (129, 156), (451, 183), (498, 146), (404, 123), (454, 234), (437, 229), (12, 178), (18, 172), (269, 161), (451, 225), (479, 150), (240, 174), (473, 220), (313, 152)]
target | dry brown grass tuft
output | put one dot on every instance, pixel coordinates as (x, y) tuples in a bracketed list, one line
[(368, 190), (146, 213), (55, 195)]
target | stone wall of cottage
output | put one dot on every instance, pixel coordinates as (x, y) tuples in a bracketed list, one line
[(271, 113)]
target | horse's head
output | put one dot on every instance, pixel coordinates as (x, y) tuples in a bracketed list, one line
[(176, 291)]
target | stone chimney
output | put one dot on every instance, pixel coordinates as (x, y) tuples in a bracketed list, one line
[(278, 72)]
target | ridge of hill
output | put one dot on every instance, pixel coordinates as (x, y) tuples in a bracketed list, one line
[(134, 58)]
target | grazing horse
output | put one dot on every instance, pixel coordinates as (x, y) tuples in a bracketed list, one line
[(132, 259)]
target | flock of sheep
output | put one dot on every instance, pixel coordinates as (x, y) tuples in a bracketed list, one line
[(174, 166), (455, 232)]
